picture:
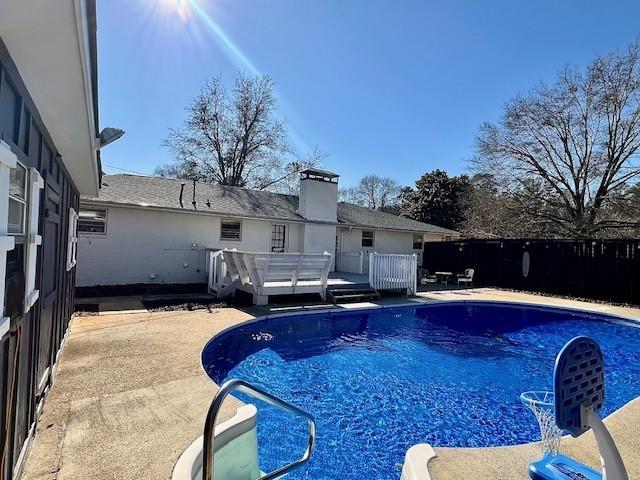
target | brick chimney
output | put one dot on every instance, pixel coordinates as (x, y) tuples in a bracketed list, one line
[(318, 199)]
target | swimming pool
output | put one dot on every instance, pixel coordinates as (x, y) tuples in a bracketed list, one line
[(380, 381)]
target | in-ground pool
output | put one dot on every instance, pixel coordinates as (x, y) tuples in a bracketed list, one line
[(380, 381)]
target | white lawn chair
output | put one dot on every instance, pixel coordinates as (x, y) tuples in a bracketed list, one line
[(428, 279), (466, 278)]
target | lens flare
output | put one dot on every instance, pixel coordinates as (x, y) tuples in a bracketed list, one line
[(179, 7), (182, 7), (194, 12)]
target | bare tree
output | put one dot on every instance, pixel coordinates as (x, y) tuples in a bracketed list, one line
[(571, 145), (373, 191), (234, 138), (491, 212), (287, 180)]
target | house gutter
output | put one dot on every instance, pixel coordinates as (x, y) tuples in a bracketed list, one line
[(209, 212), (86, 26)]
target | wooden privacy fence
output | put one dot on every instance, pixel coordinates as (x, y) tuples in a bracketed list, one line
[(599, 269), (393, 272)]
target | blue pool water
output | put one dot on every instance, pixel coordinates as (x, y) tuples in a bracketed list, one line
[(380, 381)]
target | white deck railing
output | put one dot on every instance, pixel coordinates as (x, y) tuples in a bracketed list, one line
[(217, 270), (393, 272), (350, 262), (264, 274)]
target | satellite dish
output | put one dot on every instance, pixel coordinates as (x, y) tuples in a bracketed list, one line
[(109, 135)]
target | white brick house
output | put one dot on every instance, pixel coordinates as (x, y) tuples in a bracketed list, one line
[(148, 230)]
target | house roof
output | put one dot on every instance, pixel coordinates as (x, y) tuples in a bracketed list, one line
[(355, 215), (157, 192)]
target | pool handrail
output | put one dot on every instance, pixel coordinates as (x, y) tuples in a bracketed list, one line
[(246, 387)]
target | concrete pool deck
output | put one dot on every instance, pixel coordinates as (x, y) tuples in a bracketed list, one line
[(129, 396)]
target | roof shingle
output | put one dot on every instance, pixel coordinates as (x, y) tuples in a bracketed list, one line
[(229, 201)]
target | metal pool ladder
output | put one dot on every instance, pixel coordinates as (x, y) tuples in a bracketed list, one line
[(245, 387)]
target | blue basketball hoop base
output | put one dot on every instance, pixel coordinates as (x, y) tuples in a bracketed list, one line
[(559, 467)]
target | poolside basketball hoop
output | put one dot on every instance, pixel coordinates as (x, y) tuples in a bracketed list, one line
[(542, 405), (574, 407)]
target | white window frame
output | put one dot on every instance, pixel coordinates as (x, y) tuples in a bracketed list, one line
[(230, 220), (286, 236), (106, 219), (373, 239), (413, 241), (72, 239), (22, 201), (8, 160), (35, 184)]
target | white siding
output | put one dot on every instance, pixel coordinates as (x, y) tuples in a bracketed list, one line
[(384, 241), (154, 246), (350, 240), (319, 238), (150, 246)]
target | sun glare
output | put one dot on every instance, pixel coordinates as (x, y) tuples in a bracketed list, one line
[(197, 22), (180, 7)]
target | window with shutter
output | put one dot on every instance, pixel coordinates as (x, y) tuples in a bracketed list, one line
[(34, 239), (8, 161), (72, 239)]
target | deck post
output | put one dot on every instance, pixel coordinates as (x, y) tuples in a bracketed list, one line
[(260, 299)]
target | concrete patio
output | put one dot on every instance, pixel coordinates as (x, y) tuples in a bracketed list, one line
[(129, 396)]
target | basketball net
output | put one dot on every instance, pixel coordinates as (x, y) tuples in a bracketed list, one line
[(541, 404)]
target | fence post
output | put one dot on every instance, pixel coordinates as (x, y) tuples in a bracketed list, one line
[(371, 273), (211, 274), (414, 273), (219, 272)]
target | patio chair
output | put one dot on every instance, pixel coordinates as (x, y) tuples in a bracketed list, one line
[(428, 278), (466, 278)]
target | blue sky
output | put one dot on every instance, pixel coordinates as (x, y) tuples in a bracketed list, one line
[(393, 88)]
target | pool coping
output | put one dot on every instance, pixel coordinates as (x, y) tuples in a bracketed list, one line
[(544, 301)]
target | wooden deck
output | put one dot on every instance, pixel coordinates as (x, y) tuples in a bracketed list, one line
[(345, 278)]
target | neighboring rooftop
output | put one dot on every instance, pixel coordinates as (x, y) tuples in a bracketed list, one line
[(158, 192)]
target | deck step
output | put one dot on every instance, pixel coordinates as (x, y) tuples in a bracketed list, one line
[(346, 291), (351, 295)]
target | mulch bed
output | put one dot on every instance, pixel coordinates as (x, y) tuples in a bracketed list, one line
[(569, 297), (177, 304)]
